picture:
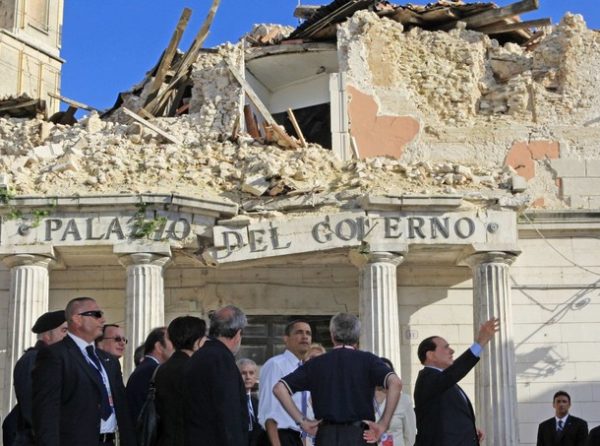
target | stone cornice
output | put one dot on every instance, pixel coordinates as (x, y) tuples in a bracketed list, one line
[(409, 202), (558, 222), (214, 207)]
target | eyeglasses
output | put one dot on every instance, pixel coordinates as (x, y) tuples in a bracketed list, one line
[(93, 313), (118, 339)]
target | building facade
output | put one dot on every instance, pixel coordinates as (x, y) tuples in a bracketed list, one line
[(30, 42), (461, 183)]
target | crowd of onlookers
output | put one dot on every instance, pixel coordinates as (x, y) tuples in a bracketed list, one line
[(70, 390)]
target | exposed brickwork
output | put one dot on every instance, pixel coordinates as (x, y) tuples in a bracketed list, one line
[(378, 135), (522, 155)]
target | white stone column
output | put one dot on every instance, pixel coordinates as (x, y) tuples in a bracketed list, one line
[(145, 306), (29, 289), (495, 377), (378, 307)]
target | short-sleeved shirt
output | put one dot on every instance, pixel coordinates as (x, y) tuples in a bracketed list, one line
[(342, 384)]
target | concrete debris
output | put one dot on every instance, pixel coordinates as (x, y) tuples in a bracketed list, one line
[(256, 185), (469, 99), (107, 160), (268, 34)]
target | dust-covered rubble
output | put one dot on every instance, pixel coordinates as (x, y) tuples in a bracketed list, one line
[(95, 156)]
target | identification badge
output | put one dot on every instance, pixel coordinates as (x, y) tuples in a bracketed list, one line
[(387, 440)]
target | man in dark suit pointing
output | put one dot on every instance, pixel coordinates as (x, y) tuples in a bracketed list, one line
[(445, 415), (78, 392), (563, 429)]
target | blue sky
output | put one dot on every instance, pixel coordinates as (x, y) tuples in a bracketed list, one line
[(110, 44)]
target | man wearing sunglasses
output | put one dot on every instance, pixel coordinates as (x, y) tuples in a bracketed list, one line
[(78, 392), (113, 340)]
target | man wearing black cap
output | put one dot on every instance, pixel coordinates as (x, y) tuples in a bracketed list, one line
[(50, 328)]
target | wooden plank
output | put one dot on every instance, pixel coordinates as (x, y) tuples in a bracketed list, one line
[(296, 127), (339, 14), (305, 11), (406, 17), (169, 54), (438, 15), (188, 59), (289, 142), (494, 15), (15, 105), (260, 106), (150, 126), (251, 125), (498, 28), (72, 102)]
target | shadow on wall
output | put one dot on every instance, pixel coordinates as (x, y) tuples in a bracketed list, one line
[(539, 363), (577, 302)]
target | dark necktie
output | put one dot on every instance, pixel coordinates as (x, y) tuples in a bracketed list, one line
[(250, 412), (559, 426), (106, 410)]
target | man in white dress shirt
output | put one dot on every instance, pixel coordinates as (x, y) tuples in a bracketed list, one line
[(281, 428)]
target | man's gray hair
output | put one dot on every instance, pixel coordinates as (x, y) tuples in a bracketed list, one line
[(244, 362), (345, 328), (227, 321)]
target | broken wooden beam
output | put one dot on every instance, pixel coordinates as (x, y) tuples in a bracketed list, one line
[(499, 28), (150, 126), (494, 15), (167, 59), (72, 102), (305, 11), (251, 125), (260, 106), (297, 128), (186, 62)]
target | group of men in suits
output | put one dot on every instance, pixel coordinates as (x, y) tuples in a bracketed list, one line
[(74, 394)]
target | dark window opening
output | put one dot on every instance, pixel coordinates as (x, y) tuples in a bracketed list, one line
[(314, 121), (263, 336)]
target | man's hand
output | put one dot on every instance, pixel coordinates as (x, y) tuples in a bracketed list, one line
[(487, 331), (480, 435), (374, 432), (310, 426)]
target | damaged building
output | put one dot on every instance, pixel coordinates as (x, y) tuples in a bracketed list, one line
[(425, 167)]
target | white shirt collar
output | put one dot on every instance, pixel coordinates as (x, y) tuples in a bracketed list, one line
[(82, 344), (289, 356), (564, 419), (435, 368)]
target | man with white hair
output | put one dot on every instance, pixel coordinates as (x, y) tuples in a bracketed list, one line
[(216, 412)]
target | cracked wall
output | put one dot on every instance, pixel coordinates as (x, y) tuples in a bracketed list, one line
[(478, 102)]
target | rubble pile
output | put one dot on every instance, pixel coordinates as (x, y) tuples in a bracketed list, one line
[(96, 156), (471, 99)]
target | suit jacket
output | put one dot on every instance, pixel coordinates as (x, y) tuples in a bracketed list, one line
[(257, 436), (67, 396), (444, 413), (216, 410), (593, 438), (138, 385), (574, 433), (170, 393), (23, 390)]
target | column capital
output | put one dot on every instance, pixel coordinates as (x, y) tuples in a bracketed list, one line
[(144, 258), (480, 258), (15, 260), (360, 259)]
